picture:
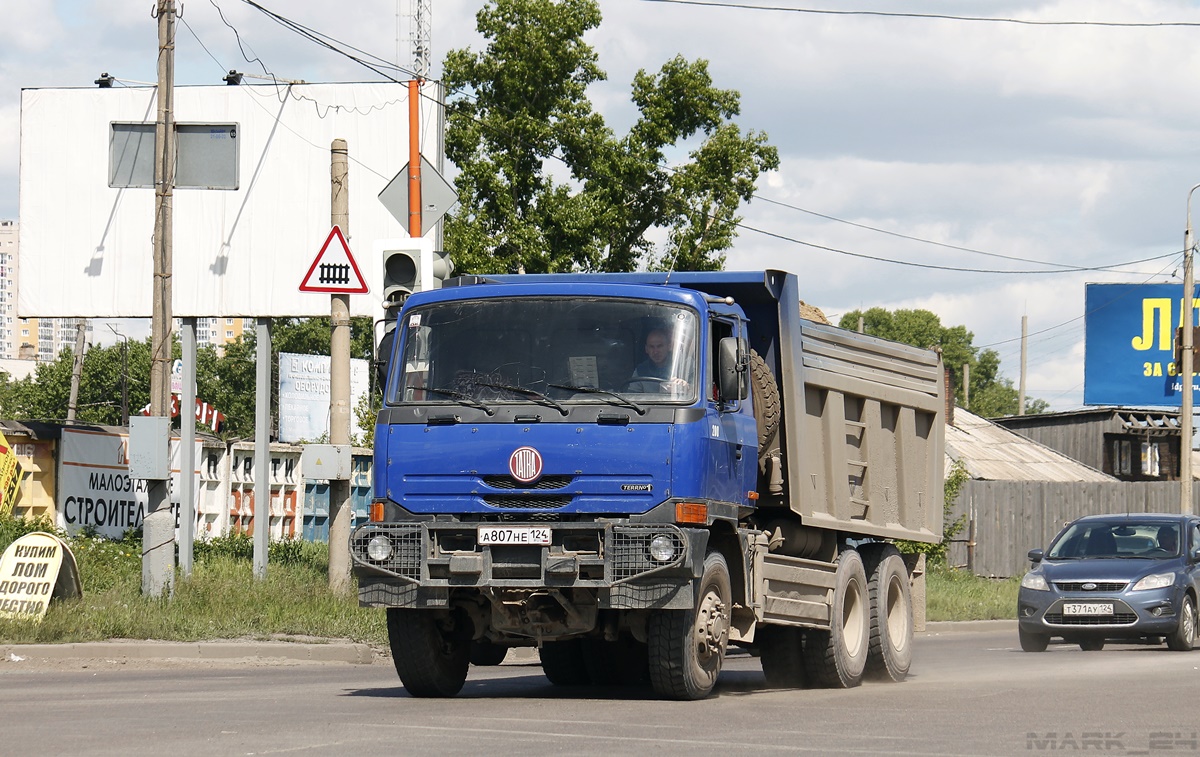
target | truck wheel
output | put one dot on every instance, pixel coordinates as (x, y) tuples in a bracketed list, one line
[(781, 652), (563, 663), (889, 654), (687, 647), (431, 650), (1033, 642), (837, 658), (766, 401), (1184, 635), (487, 654)]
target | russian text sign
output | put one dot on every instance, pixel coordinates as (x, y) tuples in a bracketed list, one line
[(1130, 345), (29, 575)]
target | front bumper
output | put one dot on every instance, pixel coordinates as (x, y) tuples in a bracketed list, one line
[(1134, 613), (430, 559)]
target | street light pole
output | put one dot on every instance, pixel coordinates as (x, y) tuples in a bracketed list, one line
[(1187, 367)]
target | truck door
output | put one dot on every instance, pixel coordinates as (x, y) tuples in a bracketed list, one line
[(732, 437)]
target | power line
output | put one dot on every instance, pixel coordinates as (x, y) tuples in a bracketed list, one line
[(927, 16)]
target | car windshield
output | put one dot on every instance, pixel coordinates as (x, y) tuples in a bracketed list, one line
[(554, 351), (1125, 538)]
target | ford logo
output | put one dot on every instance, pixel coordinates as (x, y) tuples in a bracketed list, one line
[(525, 464), (1089, 586)]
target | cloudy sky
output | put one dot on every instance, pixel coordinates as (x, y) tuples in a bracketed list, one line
[(933, 143)]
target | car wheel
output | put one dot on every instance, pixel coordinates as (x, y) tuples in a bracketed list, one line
[(1091, 645), (1184, 635), (1033, 642)]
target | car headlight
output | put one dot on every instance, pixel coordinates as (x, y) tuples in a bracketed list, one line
[(1155, 581), (379, 548), (1035, 581), (662, 548)]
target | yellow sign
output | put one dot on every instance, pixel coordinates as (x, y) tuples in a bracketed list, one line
[(10, 477), (33, 570)]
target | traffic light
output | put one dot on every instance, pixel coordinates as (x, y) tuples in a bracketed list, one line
[(409, 265)]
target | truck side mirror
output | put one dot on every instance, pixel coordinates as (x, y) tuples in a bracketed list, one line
[(733, 369)]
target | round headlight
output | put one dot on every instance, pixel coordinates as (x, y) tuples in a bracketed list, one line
[(662, 548), (379, 548)]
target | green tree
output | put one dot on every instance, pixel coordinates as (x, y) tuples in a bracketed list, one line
[(519, 119), (992, 395)]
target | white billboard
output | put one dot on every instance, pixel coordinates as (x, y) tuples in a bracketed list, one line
[(87, 247), (304, 396), (95, 489)]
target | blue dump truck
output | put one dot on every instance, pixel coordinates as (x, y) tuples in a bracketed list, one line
[(632, 472)]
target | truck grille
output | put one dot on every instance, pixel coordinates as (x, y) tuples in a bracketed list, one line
[(526, 501), (543, 483), (407, 546)]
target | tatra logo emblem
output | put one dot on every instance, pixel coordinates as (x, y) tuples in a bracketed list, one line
[(525, 464)]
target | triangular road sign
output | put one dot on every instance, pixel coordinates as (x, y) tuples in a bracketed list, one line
[(334, 269)]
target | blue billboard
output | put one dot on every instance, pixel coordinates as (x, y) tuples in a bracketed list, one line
[(1130, 345)]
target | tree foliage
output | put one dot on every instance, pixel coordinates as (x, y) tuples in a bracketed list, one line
[(992, 395), (546, 186), (226, 379)]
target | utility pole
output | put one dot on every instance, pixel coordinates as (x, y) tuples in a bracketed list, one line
[(158, 540), (76, 370), (1024, 353), (967, 386), (340, 509), (1189, 365)]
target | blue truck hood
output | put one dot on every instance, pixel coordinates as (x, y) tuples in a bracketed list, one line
[(582, 469)]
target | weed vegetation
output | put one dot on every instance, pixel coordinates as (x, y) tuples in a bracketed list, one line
[(223, 599)]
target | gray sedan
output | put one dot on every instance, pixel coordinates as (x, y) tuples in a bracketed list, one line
[(1114, 577)]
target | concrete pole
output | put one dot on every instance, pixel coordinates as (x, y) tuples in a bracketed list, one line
[(76, 370), (966, 386), (1188, 367), (341, 511), (262, 445), (187, 449), (1024, 354), (158, 527)]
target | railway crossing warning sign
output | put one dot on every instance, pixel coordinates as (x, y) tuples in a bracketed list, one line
[(334, 270)]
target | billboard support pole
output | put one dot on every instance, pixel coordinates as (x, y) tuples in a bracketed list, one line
[(1188, 366), (341, 510)]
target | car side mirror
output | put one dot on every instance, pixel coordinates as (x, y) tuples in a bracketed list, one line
[(1195, 555), (733, 369), (1035, 555)]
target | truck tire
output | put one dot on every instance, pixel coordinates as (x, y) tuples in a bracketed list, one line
[(1184, 636), (430, 649), (837, 658), (781, 652), (889, 654), (563, 663), (1033, 642), (687, 647), (766, 401), (487, 654)]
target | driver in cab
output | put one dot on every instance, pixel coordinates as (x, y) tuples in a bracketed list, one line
[(658, 365)]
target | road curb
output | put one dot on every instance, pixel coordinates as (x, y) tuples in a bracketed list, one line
[(358, 654)]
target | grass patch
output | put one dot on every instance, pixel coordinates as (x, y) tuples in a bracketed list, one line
[(958, 595), (221, 600)]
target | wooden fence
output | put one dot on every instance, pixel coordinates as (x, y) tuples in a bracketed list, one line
[(1006, 519)]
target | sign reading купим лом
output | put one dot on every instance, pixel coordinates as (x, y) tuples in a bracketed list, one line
[(1130, 345), (34, 569)]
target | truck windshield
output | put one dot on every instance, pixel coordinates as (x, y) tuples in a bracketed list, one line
[(553, 351)]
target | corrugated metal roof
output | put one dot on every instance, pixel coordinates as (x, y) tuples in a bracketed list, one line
[(993, 453)]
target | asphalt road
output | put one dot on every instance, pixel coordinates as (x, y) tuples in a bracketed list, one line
[(971, 693)]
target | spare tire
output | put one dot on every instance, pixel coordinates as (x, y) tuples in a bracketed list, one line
[(766, 401)]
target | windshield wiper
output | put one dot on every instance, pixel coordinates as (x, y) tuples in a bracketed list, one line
[(616, 398), (464, 399), (532, 393)]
